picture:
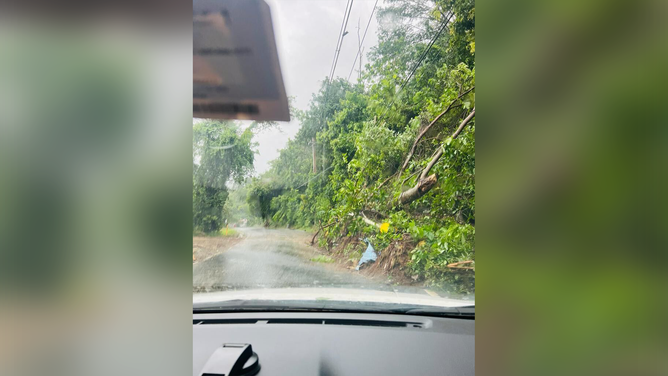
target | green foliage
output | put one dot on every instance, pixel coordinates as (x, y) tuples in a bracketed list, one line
[(323, 259), (363, 134), (260, 194), (438, 245), (237, 208), (221, 153), (208, 203), (228, 233)]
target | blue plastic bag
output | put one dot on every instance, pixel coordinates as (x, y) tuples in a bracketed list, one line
[(368, 256)]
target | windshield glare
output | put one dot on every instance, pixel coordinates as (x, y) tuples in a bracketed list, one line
[(368, 193)]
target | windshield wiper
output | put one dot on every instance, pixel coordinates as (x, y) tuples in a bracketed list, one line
[(333, 306), (464, 312)]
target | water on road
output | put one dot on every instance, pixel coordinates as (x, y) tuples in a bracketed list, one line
[(274, 258)]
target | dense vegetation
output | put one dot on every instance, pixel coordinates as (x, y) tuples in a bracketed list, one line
[(222, 152), (223, 157), (397, 147)]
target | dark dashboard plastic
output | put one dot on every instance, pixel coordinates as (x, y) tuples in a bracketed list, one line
[(340, 343)]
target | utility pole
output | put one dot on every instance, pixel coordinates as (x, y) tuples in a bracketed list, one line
[(360, 49), (359, 75), (314, 159), (324, 157)]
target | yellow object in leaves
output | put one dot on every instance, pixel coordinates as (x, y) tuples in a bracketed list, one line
[(384, 227)]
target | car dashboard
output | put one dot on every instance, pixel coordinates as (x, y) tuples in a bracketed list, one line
[(331, 343)]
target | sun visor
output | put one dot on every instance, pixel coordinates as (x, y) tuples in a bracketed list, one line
[(236, 72)]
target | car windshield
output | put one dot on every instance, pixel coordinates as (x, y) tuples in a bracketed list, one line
[(367, 194)]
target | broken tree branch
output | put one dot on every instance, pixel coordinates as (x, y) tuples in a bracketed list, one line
[(463, 124), (409, 176), (423, 186), (320, 229), (426, 183), (386, 180), (368, 221), (439, 154), (459, 263), (461, 267), (375, 212), (428, 127)]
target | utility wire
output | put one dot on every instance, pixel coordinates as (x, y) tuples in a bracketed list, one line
[(359, 50), (424, 54), (346, 14), (315, 176), (340, 38), (337, 52), (343, 34)]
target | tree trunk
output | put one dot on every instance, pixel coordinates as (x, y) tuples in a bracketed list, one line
[(423, 186), (427, 128), (426, 183)]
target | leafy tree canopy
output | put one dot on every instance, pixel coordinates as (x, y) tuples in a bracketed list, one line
[(407, 125)]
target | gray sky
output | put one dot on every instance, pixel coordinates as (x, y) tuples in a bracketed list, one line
[(306, 34)]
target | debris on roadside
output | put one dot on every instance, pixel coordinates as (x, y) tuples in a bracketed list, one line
[(368, 256)]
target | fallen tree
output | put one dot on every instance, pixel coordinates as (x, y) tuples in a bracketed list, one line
[(364, 218), (426, 182), (427, 128)]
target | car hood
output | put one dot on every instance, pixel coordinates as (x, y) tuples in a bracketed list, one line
[(329, 294)]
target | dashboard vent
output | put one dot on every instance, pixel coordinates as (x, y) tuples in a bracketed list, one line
[(348, 322), (307, 321), (224, 321)]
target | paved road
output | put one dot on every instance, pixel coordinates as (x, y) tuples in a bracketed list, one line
[(278, 258), (274, 258), (281, 258)]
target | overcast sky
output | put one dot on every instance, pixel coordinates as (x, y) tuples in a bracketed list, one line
[(306, 34)]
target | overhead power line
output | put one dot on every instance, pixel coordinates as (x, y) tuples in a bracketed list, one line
[(416, 66), (342, 34), (315, 176), (337, 52), (339, 40), (359, 50)]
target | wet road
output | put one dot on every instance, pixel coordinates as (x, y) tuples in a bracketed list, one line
[(274, 258)]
